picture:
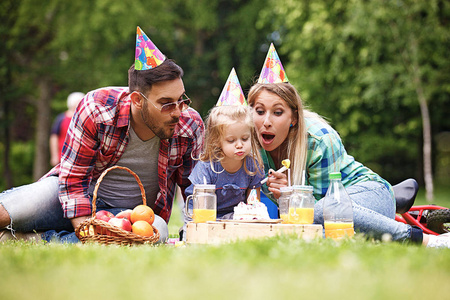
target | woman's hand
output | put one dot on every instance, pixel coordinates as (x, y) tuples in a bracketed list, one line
[(275, 182)]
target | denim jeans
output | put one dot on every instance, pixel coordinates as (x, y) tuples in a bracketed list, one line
[(373, 211), (36, 207)]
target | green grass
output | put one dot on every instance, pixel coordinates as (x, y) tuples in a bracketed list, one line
[(176, 220), (277, 268)]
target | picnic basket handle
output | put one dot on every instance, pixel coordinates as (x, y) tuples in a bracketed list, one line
[(99, 180)]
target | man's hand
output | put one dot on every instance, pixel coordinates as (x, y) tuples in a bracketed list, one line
[(275, 182), (78, 220)]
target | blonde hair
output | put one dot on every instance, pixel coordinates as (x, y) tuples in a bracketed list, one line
[(219, 118), (297, 143)]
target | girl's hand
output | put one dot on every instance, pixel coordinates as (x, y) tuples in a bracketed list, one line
[(275, 182)]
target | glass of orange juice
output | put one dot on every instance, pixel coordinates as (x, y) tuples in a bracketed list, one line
[(301, 215), (204, 203), (283, 203), (301, 205), (338, 230)]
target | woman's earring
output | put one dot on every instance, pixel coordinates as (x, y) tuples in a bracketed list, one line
[(291, 125)]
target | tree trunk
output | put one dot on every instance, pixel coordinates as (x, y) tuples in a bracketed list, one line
[(43, 122), (427, 161), (411, 61), (7, 146)]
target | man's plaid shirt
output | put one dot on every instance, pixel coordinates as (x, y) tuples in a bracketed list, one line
[(97, 138)]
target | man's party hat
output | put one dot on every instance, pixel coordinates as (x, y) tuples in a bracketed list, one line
[(232, 93), (272, 71), (147, 55)]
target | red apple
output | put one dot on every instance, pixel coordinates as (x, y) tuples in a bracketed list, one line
[(121, 223), (104, 215), (125, 214)]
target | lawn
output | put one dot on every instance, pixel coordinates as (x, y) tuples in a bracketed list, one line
[(275, 268)]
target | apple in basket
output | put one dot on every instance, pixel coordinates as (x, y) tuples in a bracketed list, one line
[(103, 215), (125, 214), (120, 223)]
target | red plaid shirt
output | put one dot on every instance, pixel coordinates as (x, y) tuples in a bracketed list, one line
[(97, 138)]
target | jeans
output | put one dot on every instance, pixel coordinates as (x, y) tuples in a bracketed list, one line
[(373, 211), (36, 207)]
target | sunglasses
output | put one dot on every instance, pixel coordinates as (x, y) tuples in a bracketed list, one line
[(167, 108)]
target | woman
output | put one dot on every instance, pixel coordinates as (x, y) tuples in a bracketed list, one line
[(286, 130)]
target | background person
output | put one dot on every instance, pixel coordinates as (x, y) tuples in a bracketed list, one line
[(60, 126), (286, 130), (147, 127)]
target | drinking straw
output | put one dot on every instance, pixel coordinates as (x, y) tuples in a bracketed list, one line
[(286, 163), (289, 177)]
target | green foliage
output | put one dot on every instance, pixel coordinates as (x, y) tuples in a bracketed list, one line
[(357, 63), (22, 154), (22, 162), (83, 45), (216, 36), (442, 193), (352, 61)]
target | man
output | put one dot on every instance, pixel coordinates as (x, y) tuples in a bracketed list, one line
[(147, 127)]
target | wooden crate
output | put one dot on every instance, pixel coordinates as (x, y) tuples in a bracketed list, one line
[(220, 232)]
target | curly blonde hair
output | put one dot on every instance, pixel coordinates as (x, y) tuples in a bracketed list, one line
[(219, 118)]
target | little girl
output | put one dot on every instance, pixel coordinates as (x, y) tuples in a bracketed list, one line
[(230, 160)]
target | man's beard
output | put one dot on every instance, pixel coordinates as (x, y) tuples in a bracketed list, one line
[(159, 131)]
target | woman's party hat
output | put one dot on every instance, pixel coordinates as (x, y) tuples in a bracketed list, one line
[(272, 71), (232, 93), (147, 55)]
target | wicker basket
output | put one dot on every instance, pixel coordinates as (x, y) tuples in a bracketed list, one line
[(93, 230)]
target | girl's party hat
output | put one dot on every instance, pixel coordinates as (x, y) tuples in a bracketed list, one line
[(272, 71), (232, 93), (147, 55)]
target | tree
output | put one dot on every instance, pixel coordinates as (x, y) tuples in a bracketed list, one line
[(12, 114), (373, 67), (414, 31), (56, 47)]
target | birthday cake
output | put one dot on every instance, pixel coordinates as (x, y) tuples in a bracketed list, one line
[(254, 210)]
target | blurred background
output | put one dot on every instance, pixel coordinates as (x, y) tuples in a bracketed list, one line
[(379, 71)]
